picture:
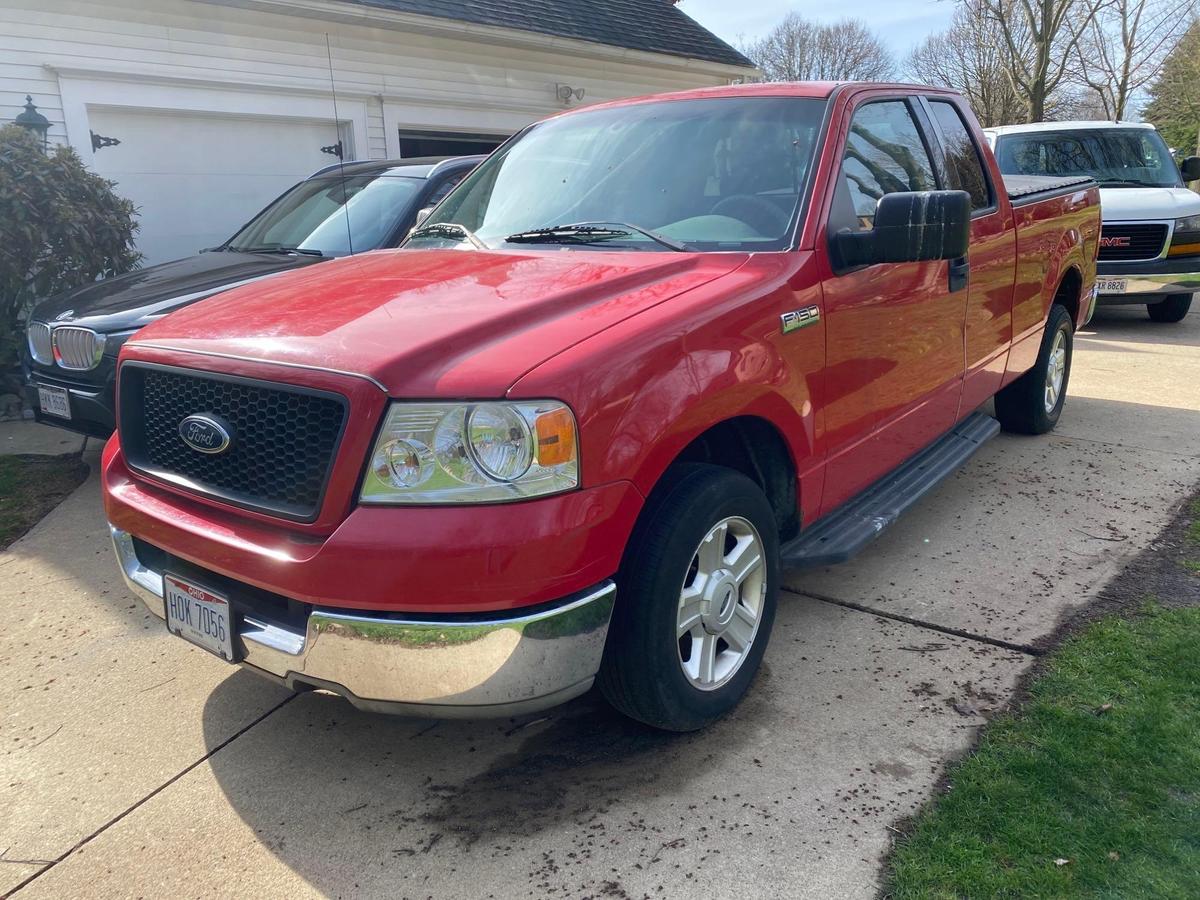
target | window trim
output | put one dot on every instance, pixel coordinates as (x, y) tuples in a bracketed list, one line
[(926, 102)]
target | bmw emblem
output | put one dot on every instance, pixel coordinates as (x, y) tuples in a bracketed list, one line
[(205, 433)]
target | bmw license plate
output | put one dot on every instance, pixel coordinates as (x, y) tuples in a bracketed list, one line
[(1111, 285), (199, 615), (54, 401)]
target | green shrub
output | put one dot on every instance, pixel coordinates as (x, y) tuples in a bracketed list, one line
[(60, 226)]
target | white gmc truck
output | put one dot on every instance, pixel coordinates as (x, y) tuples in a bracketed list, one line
[(1150, 243)]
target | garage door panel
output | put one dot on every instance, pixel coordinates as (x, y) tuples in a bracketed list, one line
[(197, 178)]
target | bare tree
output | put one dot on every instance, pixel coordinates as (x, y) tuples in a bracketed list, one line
[(971, 57), (1041, 38), (799, 50), (1123, 49)]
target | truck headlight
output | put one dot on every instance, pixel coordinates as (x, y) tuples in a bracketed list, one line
[(472, 453), (1186, 240)]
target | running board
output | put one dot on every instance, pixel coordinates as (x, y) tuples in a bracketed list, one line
[(844, 533)]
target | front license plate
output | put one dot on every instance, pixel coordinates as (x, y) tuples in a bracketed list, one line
[(54, 401), (199, 615), (1111, 285)]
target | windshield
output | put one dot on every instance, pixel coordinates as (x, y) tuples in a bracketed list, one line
[(713, 174), (311, 215), (1115, 157)]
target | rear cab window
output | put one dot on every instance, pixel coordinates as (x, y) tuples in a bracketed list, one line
[(964, 163)]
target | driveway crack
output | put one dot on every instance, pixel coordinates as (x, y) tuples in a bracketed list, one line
[(50, 864), (1027, 649)]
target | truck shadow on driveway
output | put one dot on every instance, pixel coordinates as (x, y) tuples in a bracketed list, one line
[(329, 789)]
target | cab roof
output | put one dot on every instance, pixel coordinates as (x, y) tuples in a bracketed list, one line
[(820, 90)]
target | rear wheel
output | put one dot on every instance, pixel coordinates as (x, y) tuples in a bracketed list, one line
[(1172, 309), (1033, 403), (695, 600)]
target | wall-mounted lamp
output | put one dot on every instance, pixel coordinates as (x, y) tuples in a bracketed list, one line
[(566, 93), (34, 121)]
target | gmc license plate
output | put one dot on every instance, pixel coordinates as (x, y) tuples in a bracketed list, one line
[(198, 615), (1111, 285), (54, 401)]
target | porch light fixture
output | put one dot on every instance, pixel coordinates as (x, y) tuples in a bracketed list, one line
[(34, 121)]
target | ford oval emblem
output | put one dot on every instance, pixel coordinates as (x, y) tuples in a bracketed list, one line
[(205, 433)]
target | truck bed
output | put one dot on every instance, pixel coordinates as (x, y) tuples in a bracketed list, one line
[(1029, 188)]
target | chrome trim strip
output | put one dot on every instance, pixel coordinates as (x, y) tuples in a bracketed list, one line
[(255, 359), (421, 666), (511, 622)]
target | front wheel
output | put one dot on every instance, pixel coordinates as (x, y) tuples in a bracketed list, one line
[(695, 600), (1033, 403), (1170, 309)]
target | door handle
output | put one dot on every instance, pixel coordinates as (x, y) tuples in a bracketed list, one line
[(960, 273)]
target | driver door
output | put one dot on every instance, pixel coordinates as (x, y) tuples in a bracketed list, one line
[(894, 331)]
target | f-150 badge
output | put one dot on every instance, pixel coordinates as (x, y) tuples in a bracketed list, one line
[(800, 318)]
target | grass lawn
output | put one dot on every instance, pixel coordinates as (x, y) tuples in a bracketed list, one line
[(1091, 787), (31, 486), (1112, 790)]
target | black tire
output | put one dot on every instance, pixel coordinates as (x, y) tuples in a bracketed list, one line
[(642, 674), (1171, 309), (1021, 407)]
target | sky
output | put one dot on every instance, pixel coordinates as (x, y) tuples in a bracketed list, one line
[(900, 23)]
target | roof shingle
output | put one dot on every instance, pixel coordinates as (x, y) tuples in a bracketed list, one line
[(656, 26)]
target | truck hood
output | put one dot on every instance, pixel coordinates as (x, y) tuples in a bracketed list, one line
[(435, 323), (1128, 204), (131, 300)]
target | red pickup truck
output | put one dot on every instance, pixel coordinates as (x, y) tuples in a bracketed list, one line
[(646, 355)]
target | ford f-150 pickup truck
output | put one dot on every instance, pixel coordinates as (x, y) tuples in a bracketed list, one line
[(647, 354)]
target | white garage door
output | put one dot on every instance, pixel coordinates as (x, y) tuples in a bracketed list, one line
[(196, 178)]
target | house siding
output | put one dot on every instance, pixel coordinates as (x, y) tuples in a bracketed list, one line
[(389, 74)]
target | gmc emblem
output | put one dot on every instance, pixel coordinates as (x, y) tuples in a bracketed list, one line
[(1115, 242)]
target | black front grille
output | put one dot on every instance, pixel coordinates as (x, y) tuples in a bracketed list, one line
[(283, 438), (1123, 242)]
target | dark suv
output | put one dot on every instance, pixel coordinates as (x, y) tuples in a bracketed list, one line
[(73, 338)]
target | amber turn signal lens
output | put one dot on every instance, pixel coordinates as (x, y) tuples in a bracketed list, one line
[(555, 437), (1189, 249)]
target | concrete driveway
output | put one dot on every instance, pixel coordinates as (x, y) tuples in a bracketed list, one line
[(134, 765)]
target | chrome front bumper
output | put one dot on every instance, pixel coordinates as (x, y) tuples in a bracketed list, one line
[(427, 667), (1141, 284)]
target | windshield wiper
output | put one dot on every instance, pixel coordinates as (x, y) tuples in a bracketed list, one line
[(302, 251), (1122, 182), (450, 230), (588, 232)]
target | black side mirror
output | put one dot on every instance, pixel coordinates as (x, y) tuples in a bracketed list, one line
[(909, 227), (1190, 168)]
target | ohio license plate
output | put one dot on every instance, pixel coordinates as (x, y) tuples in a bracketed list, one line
[(1111, 285), (199, 615), (54, 401)]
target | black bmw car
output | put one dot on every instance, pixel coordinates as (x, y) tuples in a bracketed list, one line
[(74, 338)]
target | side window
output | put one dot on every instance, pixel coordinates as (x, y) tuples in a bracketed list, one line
[(884, 155), (962, 156), (444, 188)]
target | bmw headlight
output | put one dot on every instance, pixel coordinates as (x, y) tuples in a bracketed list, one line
[(472, 453)]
